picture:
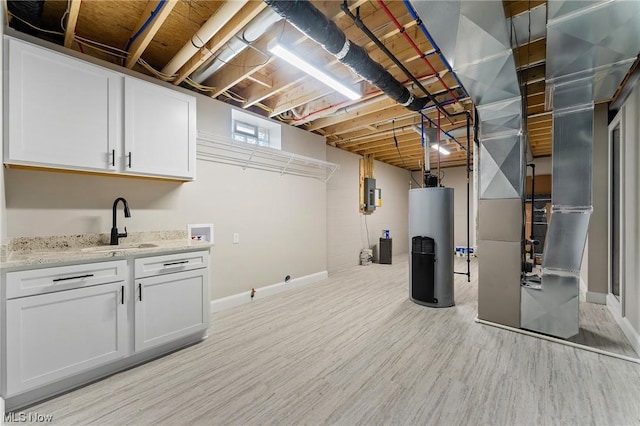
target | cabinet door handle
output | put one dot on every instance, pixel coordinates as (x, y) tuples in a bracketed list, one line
[(72, 278), (182, 262), (140, 292), (129, 159), (113, 157), (122, 296)]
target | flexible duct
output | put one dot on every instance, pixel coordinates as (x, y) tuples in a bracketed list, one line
[(315, 25)]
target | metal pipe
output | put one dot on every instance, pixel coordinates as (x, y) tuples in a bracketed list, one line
[(426, 33), (356, 20), (468, 201), (438, 142), (415, 47)]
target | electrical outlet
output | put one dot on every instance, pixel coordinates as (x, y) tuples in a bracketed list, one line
[(236, 238)]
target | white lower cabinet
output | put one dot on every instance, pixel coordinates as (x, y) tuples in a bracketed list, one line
[(169, 307), (55, 335), (64, 325)]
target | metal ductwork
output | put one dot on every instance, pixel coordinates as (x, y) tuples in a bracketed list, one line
[(253, 31), (315, 25), (590, 48), (474, 37)]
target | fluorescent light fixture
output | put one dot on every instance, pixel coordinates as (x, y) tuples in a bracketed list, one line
[(441, 149), (282, 53)]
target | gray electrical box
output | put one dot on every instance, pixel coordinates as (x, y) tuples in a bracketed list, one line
[(369, 194)]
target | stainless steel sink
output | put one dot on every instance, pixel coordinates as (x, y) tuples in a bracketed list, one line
[(123, 247)]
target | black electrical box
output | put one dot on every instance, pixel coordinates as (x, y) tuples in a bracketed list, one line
[(369, 194)]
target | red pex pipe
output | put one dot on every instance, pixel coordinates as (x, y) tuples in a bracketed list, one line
[(366, 95), (415, 47)]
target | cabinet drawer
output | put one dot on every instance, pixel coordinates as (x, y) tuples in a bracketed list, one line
[(158, 265), (46, 280)]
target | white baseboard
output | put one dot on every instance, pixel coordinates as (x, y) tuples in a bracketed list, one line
[(623, 322), (232, 301), (594, 297)]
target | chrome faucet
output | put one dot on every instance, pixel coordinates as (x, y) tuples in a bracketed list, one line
[(115, 236)]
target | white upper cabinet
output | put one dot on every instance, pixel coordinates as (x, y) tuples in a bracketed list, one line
[(160, 131), (62, 112), (67, 113)]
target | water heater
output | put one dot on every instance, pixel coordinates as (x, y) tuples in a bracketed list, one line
[(431, 248)]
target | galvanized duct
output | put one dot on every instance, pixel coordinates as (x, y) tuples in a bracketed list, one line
[(590, 47), (474, 38), (315, 25)]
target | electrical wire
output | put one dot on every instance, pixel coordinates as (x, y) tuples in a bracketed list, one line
[(33, 26), (367, 228), (199, 86), (64, 15), (90, 46), (233, 96), (395, 139), (106, 46), (159, 74)]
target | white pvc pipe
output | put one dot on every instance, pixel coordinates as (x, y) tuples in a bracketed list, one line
[(227, 11), (562, 342)]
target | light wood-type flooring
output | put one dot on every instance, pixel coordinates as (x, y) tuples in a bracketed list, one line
[(354, 350)]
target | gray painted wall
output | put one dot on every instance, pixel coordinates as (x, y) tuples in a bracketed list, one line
[(346, 227)]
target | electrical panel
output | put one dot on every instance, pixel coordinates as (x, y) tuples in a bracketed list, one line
[(369, 194)]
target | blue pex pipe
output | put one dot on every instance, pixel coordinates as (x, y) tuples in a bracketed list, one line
[(416, 18), (145, 25)]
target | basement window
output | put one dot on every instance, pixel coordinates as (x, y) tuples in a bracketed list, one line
[(255, 130)]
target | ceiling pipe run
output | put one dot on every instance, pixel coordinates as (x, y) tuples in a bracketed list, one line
[(203, 35), (426, 33), (315, 25), (253, 31), (409, 40), (336, 109)]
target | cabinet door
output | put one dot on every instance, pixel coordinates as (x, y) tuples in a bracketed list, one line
[(160, 131), (169, 307), (54, 335), (63, 112)]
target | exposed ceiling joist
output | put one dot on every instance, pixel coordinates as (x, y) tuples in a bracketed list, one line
[(230, 29), (142, 40), (72, 20)]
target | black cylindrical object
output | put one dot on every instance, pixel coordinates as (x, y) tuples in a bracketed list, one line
[(423, 257)]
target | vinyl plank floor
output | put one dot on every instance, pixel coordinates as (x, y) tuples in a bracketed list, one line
[(354, 350)]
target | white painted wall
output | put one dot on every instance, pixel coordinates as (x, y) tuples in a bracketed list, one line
[(631, 221), (628, 315), (346, 227), (281, 219)]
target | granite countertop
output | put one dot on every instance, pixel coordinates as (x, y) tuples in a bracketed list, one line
[(23, 251)]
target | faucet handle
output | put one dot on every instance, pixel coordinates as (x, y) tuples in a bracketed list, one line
[(125, 231)]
